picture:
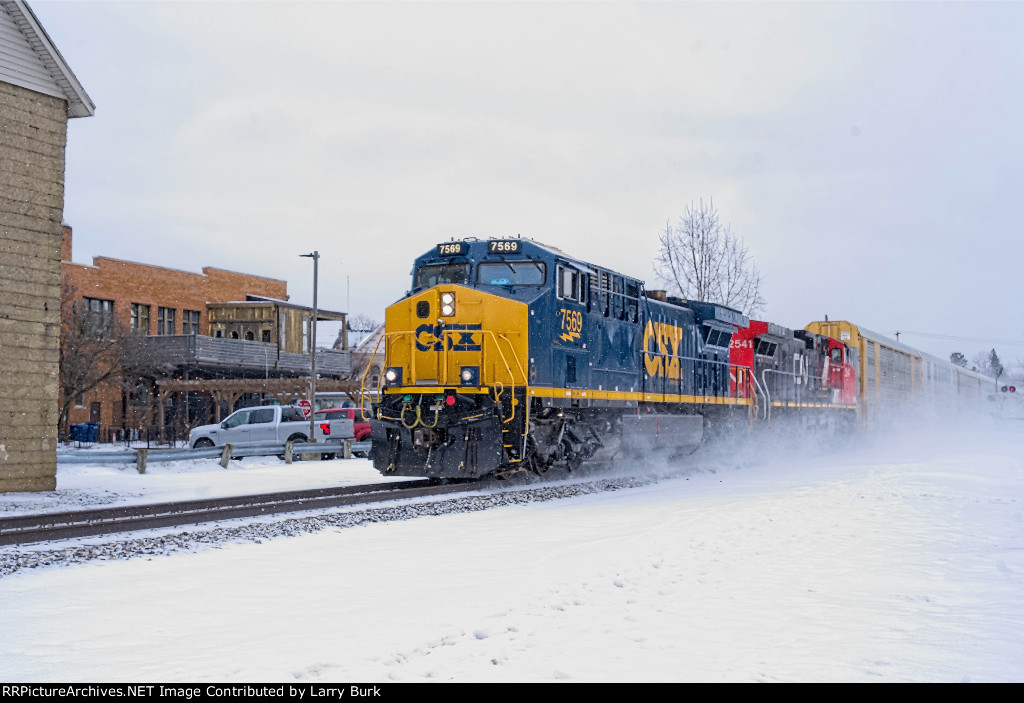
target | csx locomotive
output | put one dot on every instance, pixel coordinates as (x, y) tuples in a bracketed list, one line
[(508, 355)]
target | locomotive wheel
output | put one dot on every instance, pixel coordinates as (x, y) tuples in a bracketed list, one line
[(534, 462), (573, 460)]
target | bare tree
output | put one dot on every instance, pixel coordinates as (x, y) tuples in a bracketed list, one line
[(97, 348), (987, 363), (90, 349), (701, 259), (1015, 374), (361, 322)]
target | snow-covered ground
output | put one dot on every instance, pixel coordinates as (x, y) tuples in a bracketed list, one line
[(899, 558), (94, 485)]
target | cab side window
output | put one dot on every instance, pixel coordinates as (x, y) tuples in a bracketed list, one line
[(571, 284)]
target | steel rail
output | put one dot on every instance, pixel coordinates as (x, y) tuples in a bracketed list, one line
[(27, 529)]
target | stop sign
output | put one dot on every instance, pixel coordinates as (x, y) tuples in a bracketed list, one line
[(306, 407)]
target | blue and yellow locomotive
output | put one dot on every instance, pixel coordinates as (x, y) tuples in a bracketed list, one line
[(509, 355)]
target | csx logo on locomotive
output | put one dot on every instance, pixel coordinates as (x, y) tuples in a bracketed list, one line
[(431, 337), (661, 349)]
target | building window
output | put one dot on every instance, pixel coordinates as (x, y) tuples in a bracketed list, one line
[(140, 318), (266, 336), (80, 400), (166, 321), (190, 322), (97, 318)]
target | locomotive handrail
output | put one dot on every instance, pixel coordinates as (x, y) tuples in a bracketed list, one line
[(526, 410), (756, 391), (519, 366), (697, 360), (759, 390), (764, 377), (362, 381), (767, 395), (389, 337), (526, 416), (797, 387), (507, 368)]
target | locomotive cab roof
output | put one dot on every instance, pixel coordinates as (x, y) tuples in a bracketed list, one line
[(472, 252)]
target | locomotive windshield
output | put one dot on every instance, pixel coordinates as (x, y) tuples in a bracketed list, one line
[(434, 274), (511, 273)]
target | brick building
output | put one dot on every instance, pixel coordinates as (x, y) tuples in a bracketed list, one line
[(38, 94), (150, 301)]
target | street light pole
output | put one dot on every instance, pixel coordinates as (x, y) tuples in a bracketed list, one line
[(315, 256)]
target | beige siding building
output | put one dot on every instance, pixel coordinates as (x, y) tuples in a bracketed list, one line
[(276, 321), (38, 93)]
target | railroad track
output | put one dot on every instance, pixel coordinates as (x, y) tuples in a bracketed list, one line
[(27, 529)]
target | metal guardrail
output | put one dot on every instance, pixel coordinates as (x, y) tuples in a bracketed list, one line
[(142, 456)]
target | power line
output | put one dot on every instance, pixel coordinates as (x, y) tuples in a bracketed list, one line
[(1012, 342)]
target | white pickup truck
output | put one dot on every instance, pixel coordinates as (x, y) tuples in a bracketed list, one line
[(269, 424)]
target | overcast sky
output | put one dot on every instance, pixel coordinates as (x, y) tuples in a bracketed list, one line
[(870, 154)]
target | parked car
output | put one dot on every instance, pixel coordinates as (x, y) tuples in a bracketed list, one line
[(274, 424), (360, 427)]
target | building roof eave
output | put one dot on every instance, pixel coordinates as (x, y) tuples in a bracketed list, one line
[(79, 102)]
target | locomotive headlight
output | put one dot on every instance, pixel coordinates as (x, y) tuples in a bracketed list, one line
[(447, 304), (393, 376), (470, 375)]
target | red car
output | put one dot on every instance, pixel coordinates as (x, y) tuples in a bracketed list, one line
[(360, 426)]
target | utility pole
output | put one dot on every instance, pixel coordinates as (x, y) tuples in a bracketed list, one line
[(315, 256)]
